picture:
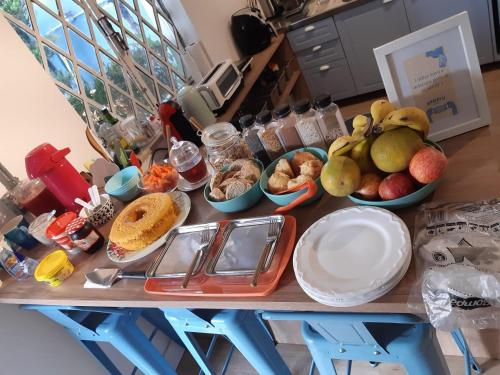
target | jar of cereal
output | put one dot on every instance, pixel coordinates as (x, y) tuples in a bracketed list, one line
[(267, 134), (307, 126), (224, 144)]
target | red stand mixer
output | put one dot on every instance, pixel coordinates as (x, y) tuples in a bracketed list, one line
[(57, 173)]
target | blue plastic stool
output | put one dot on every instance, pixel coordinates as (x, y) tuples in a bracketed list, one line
[(242, 328), (376, 338), (117, 327)]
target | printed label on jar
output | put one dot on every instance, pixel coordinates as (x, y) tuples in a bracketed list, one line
[(87, 242)]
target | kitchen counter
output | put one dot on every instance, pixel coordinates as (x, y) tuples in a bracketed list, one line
[(313, 12), (473, 174)]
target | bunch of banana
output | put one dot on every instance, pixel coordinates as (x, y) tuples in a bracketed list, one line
[(411, 117), (342, 145), (379, 110)]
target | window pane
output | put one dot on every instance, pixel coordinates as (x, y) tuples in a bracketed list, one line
[(122, 104), (17, 9), (153, 40), (149, 83), (142, 114), (147, 12), (167, 30), (50, 27), (138, 52), (164, 94), (130, 3), (179, 83), (101, 40), (76, 102), (130, 21), (61, 68), (137, 93), (161, 72), (93, 86), (51, 4), (75, 15), (29, 40), (114, 72), (108, 6), (84, 51), (174, 59)]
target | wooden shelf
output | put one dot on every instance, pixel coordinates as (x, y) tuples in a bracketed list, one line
[(289, 87), (259, 63)]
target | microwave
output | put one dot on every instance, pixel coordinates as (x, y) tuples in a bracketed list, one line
[(220, 84)]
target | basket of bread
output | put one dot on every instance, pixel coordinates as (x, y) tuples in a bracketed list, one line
[(294, 178), (235, 187)]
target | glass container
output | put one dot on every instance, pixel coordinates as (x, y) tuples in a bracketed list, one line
[(307, 126), (34, 196), (251, 138), (267, 134), (330, 120), (186, 157), (286, 132)]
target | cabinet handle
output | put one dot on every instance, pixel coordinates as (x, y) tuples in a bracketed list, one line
[(386, 1), (317, 48), (309, 28), (322, 68)]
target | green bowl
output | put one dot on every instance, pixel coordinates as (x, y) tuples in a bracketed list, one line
[(285, 199), (243, 202), (407, 200)]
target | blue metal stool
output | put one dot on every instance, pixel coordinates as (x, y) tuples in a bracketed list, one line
[(376, 338), (244, 330), (118, 327)]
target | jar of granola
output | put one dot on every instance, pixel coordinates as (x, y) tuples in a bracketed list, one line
[(267, 134), (224, 144)]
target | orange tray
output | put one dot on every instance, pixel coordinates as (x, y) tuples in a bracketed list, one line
[(235, 286)]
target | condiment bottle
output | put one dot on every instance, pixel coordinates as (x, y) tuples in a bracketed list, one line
[(85, 235), (330, 120), (185, 156), (252, 139), (286, 132), (267, 134), (307, 126)]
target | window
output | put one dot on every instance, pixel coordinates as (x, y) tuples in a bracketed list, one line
[(65, 38)]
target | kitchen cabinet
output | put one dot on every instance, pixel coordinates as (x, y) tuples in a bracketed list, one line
[(333, 77), (422, 13), (364, 28)]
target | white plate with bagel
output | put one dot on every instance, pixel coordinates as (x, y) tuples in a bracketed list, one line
[(143, 226)]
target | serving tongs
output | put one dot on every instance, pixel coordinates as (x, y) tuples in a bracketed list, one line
[(272, 235), (205, 241)]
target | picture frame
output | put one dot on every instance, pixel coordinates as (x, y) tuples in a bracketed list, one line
[(437, 69)]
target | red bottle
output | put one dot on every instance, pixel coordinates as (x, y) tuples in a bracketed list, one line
[(57, 173)]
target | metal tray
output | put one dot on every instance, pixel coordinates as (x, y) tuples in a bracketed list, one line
[(242, 244), (180, 248)]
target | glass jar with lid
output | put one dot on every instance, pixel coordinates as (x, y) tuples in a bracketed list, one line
[(251, 138), (329, 118), (286, 132), (267, 134), (186, 158), (224, 144), (307, 126)]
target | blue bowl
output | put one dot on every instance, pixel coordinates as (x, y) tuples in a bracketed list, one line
[(407, 200), (285, 199), (243, 202), (123, 184)]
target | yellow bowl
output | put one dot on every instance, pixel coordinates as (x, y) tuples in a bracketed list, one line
[(54, 268)]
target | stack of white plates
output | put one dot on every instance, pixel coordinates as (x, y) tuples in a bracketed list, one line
[(352, 256)]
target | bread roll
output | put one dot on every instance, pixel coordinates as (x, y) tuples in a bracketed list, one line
[(300, 158), (278, 182), (284, 166), (311, 168), (298, 180)]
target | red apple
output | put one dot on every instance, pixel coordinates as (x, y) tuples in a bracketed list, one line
[(368, 188), (427, 165), (394, 186)]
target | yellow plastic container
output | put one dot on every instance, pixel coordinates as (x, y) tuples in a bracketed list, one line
[(54, 268)]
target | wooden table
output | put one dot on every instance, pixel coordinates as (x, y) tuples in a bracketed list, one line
[(473, 174)]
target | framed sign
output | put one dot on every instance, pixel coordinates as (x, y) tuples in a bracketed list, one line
[(436, 69)]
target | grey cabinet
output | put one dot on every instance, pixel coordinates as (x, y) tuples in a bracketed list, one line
[(422, 13), (364, 28), (333, 77)]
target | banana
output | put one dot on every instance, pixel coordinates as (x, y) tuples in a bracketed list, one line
[(361, 125), (412, 117), (342, 145), (360, 153), (380, 109)]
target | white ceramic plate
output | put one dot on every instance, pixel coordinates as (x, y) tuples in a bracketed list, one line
[(120, 255), (352, 254)]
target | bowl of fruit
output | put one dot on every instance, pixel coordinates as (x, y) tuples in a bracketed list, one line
[(387, 161), (160, 178)]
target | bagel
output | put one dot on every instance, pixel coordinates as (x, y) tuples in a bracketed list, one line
[(144, 221)]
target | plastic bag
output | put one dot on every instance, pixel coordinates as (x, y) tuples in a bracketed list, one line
[(457, 251)]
